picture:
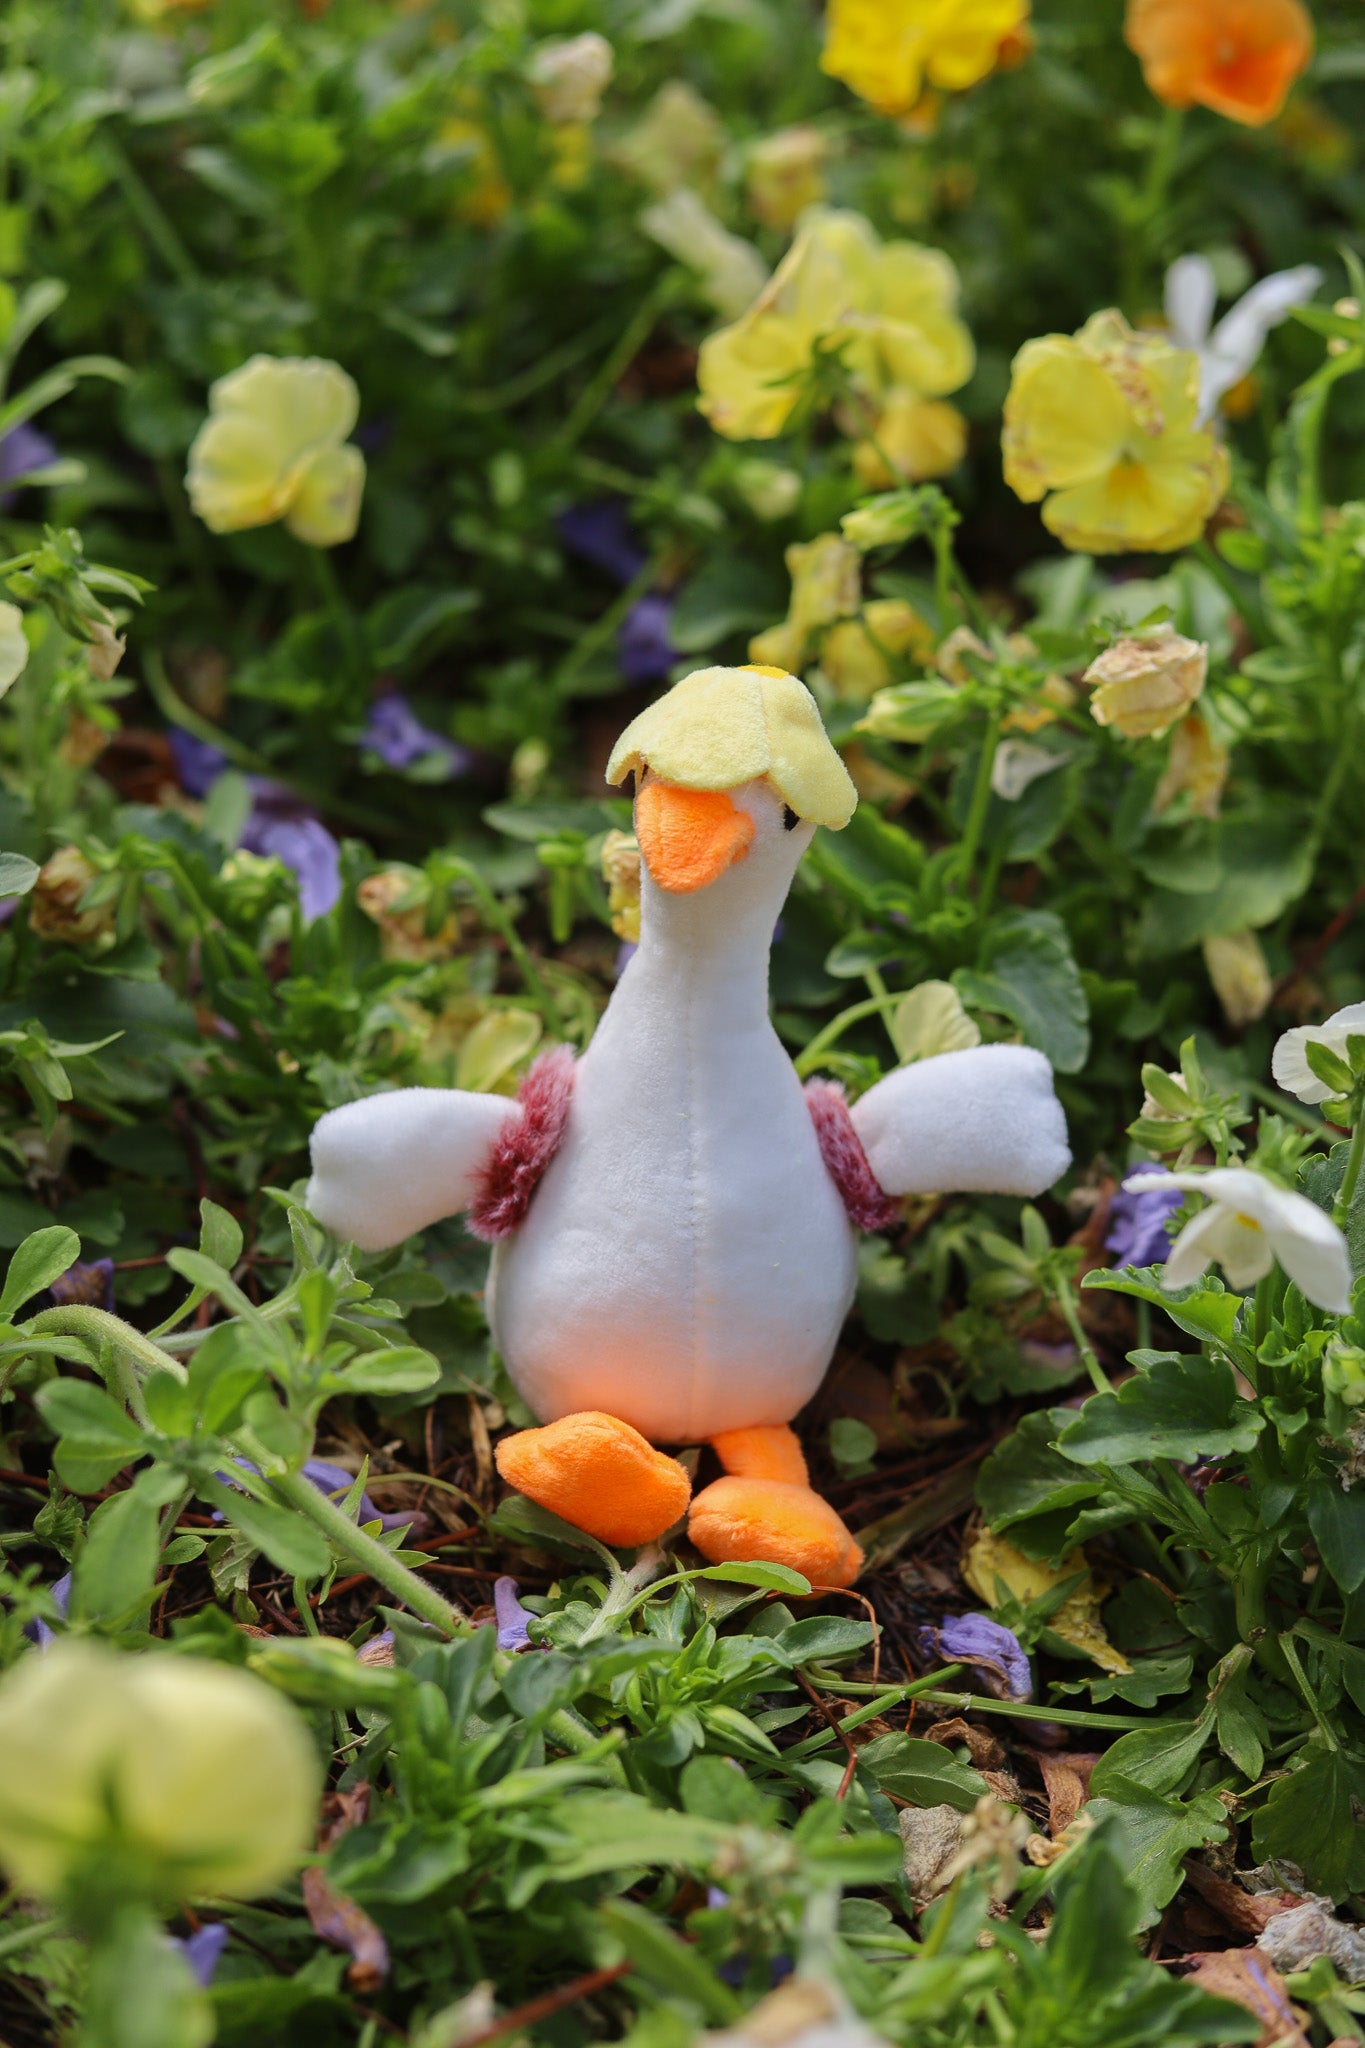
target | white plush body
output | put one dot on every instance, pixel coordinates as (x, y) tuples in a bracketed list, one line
[(686, 1262)]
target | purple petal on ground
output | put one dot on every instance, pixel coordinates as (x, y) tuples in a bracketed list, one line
[(512, 1616), (198, 762), (601, 534), (23, 448), (203, 1950), (992, 1648), (397, 735), (37, 1630), (304, 845), (335, 1479), (644, 649), (1138, 1221), (89, 1282)]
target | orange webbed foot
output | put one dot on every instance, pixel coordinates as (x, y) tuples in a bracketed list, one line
[(599, 1474), (764, 1509)]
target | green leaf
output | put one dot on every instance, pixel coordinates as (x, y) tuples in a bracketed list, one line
[(17, 874), (773, 1578), (1027, 972), (1267, 863), (1182, 1406), (1154, 1835), (220, 1234), (1320, 1178), (669, 1965), (1159, 1758), (1027, 1476), (1337, 1520), (923, 1772), (96, 1438), (821, 1636), (404, 1369), (37, 1262), (116, 1570), (1204, 1310), (1310, 1818), (284, 1537), (728, 594)]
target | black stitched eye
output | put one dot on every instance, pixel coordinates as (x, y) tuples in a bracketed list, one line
[(790, 821)]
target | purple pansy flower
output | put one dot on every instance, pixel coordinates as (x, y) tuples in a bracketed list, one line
[(22, 449), (1138, 1221), (513, 1618), (644, 648), (303, 843), (278, 824), (995, 1651), (203, 1950), (601, 534), (397, 735), (89, 1282), (37, 1630)]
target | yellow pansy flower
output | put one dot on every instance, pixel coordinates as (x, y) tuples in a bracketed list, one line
[(1102, 426), (856, 654), (891, 308), (923, 437), (1196, 767), (274, 447), (887, 51), (1146, 681), (826, 576)]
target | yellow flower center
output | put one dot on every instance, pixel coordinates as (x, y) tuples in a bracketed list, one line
[(1247, 1222)]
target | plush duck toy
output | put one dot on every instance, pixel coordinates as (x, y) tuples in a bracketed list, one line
[(675, 1218)]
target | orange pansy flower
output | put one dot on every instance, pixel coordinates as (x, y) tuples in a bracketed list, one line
[(1239, 57)]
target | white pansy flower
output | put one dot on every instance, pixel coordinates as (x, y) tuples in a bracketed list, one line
[(1289, 1063), (1248, 1224), (13, 645), (730, 270), (1229, 351), (1017, 765)]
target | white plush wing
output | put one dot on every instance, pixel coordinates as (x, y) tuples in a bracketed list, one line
[(985, 1121), (391, 1164)]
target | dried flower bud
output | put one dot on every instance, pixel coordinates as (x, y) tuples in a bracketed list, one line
[(569, 77), (54, 906), (620, 860), (1197, 767), (1143, 684), (1241, 979), (104, 651)]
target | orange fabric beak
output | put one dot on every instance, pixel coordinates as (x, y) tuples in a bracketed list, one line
[(689, 837)]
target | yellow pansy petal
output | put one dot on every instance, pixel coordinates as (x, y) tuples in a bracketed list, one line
[(1066, 420), (1152, 506), (267, 422), (234, 479), (326, 506), (747, 375), (868, 46), (967, 41), (924, 437), (933, 354)]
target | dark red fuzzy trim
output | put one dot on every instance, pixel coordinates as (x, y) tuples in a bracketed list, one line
[(866, 1200), (524, 1147)]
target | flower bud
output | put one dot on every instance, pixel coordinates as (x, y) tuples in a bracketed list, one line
[(1143, 684), (104, 651), (786, 174), (620, 860), (188, 1776), (1240, 976), (1197, 767)]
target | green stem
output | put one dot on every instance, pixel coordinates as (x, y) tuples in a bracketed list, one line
[(497, 919), (345, 624), (149, 215), (96, 1326), (981, 1703), (981, 797), (1071, 1315), (633, 337), (363, 1551), (837, 1026), (27, 1936), (1291, 1658), (1355, 1159)]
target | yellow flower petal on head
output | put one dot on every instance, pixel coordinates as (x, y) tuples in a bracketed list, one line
[(1065, 418), (326, 506)]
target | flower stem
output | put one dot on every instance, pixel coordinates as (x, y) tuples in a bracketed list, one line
[(981, 796), (1071, 1315), (814, 1053), (370, 1556), (1355, 1159), (96, 1326)]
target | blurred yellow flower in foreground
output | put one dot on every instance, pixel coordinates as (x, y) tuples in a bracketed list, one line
[(889, 307), (1102, 425), (274, 447), (200, 1774), (922, 437), (1146, 681), (889, 50)]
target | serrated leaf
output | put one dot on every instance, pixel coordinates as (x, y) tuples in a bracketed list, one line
[(1027, 972), (1310, 1818), (1182, 1406), (1154, 1835), (1337, 1520), (1204, 1310)]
